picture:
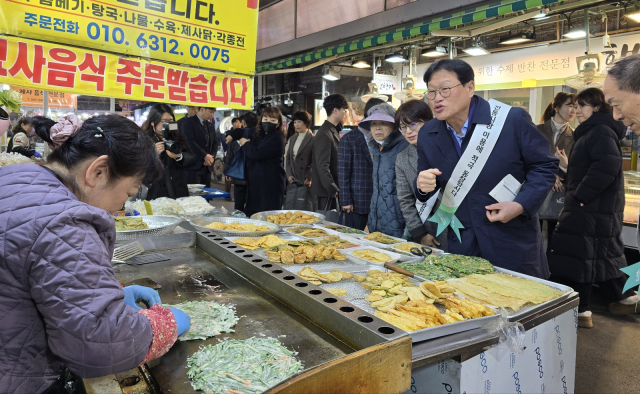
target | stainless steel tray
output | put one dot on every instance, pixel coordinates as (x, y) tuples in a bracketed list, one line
[(325, 224), (349, 252), (356, 295), (200, 224), (316, 265), (329, 232), (158, 225), (263, 216), (408, 256), (530, 309)]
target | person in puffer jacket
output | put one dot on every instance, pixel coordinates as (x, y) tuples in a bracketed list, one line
[(63, 311), (385, 215)]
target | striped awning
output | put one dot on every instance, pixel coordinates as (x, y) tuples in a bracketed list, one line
[(448, 21)]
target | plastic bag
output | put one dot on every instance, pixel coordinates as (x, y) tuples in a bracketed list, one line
[(512, 334)]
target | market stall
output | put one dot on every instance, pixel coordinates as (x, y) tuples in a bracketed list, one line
[(340, 335)]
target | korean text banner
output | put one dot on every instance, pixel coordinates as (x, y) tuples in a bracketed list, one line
[(59, 68), (215, 34)]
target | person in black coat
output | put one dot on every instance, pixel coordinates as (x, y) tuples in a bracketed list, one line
[(203, 141), (173, 183), (587, 246), (263, 159), (239, 185)]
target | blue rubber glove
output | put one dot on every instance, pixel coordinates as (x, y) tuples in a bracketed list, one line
[(135, 293), (182, 319), (37, 154)]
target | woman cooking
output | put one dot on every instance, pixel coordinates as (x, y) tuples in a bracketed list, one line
[(64, 312)]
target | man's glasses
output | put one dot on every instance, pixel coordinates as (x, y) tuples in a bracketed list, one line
[(444, 92)]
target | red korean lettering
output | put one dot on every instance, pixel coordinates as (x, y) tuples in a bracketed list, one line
[(129, 75), (177, 81), (60, 70), (97, 69), (242, 97), (153, 80), (3, 57), (22, 62), (198, 89), (215, 98)]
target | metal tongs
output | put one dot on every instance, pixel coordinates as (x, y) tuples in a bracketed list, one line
[(422, 252)]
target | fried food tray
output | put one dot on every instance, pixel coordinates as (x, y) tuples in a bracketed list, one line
[(263, 216), (528, 309), (356, 295), (349, 252), (158, 225)]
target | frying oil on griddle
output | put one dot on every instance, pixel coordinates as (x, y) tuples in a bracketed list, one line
[(201, 283)]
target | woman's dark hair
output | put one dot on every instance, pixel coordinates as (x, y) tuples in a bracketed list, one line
[(334, 101), (234, 120), (413, 111), (250, 119), (18, 127), (595, 98), (272, 112), (130, 151), (370, 104), (558, 101), (155, 116), (462, 69), (291, 131), (302, 116)]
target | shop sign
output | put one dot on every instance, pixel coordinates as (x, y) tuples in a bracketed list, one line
[(388, 84), (47, 66), (542, 62), (35, 98), (216, 34)]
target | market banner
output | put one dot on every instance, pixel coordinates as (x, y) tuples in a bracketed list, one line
[(215, 34), (39, 65), (35, 98)]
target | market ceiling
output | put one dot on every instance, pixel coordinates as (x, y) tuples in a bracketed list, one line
[(436, 26)]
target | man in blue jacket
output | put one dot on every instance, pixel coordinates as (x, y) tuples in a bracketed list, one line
[(505, 233)]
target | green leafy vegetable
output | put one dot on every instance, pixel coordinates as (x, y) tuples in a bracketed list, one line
[(250, 366), (208, 319), (442, 267)]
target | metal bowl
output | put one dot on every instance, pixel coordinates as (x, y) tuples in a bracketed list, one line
[(158, 225), (201, 223), (263, 216)]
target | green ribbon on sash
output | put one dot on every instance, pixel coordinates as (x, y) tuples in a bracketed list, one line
[(444, 217)]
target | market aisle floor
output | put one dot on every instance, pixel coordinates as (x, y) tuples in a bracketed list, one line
[(609, 353)]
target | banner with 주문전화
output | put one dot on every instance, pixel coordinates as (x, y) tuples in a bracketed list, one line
[(216, 34), (40, 65)]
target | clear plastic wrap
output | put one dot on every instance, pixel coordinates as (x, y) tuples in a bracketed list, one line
[(195, 205), (512, 334), (13, 158)]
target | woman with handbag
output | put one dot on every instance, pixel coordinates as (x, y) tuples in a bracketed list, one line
[(587, 246), (264, 172), (233, 145), (385, 215), (410, 118), (555, 127), (298, 164)]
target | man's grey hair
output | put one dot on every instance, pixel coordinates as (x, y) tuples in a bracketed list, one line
[(626, 73)]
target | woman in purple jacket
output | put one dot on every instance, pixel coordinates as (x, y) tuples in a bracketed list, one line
[(63, 310)]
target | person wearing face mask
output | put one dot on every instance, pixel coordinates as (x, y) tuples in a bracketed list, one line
[(355, 172), (324, 162), (264, 172), (204, 141), (410, 118), (386, 142), (175, 158), (459, 144), (65, 315), (555, 127), (587, 246), (298, 161), (19, 142), (239, 185)]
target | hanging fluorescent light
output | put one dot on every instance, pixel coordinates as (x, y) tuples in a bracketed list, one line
[(434, 52), (396, 58), (330, 75), (517, 38), (475, 50), (635, 16), (542, 15), (360, 64), (576, 33)]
